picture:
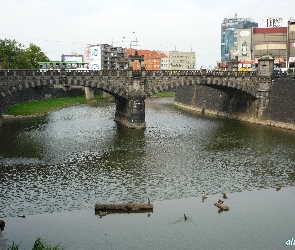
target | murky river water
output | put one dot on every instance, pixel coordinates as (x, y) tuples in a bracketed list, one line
[(54, 168)]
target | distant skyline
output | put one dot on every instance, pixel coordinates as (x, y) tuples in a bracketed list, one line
[(64, 26)]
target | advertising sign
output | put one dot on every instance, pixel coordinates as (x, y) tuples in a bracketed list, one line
[(72, 58), (95, 57), (244, 44), (273, 22)]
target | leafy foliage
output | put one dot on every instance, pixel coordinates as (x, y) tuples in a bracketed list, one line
[(39, 244), (15, 56)]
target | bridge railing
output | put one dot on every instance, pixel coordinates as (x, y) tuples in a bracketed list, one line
[(27, 72), (199, 73), (204, 72)]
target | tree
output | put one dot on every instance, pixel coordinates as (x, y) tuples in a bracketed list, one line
[(33, 55), (15, 56)]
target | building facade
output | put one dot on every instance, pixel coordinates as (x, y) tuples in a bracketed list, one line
[(152, 59), (278, 41), (229, 29), (291, 44), (178, 60), (271, 41), (168, 60), (103, 56)]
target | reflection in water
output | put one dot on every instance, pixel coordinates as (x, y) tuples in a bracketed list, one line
[(77, 156)]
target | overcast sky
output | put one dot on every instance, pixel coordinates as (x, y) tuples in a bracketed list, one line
[(65, 26)]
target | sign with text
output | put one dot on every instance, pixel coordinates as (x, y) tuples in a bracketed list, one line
[(272, 22)]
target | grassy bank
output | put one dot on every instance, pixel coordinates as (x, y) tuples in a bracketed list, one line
[(48, 105)]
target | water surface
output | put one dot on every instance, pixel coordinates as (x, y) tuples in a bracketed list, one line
[(59, 165)]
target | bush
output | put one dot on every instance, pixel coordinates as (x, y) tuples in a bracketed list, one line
[(290, 71), (39, 244), (13, 247)]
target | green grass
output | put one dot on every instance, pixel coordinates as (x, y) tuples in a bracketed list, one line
[(164, 94), (39, 244), (48, 105)]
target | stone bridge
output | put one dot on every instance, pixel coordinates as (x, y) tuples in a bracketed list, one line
[(131, 88)]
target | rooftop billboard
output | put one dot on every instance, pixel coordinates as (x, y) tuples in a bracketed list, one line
[(273, 22)]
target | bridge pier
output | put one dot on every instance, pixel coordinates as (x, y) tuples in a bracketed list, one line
[(89, 93), (131, 112)]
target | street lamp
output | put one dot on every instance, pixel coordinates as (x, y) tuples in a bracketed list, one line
[(123, 41)]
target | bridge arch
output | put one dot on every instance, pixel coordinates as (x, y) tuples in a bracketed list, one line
[(247, 85)]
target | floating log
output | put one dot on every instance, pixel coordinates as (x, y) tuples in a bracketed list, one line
[(221, 206), (124, 207)]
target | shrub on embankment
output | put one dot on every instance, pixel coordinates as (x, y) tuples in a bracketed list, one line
[(39, 244)]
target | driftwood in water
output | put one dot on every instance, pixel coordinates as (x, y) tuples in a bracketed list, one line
[(124, 207), (221, 206)]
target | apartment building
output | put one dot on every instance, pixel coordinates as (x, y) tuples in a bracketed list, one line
[(153, 60), (103, 56), (178, 60)]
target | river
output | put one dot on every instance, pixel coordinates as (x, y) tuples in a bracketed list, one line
[(53, 169)]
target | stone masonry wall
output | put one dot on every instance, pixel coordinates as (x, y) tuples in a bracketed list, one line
[(282, 101), (279, 112), (221, 102)]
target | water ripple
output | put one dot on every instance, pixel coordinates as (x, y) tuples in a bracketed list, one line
[(78, 156)]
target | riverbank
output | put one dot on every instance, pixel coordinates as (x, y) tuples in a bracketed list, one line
[(252, 222), (270, 123), (42, 107)]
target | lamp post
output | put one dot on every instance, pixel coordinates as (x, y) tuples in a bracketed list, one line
[(123, 41)]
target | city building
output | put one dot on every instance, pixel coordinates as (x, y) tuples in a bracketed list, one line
[(153, 60), (103, 56), (178, 60), (291, 44), (229, 29), (164, 61), (275, 37), (270, 41)]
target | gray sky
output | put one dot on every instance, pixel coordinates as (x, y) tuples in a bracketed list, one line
[(65, 26)]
